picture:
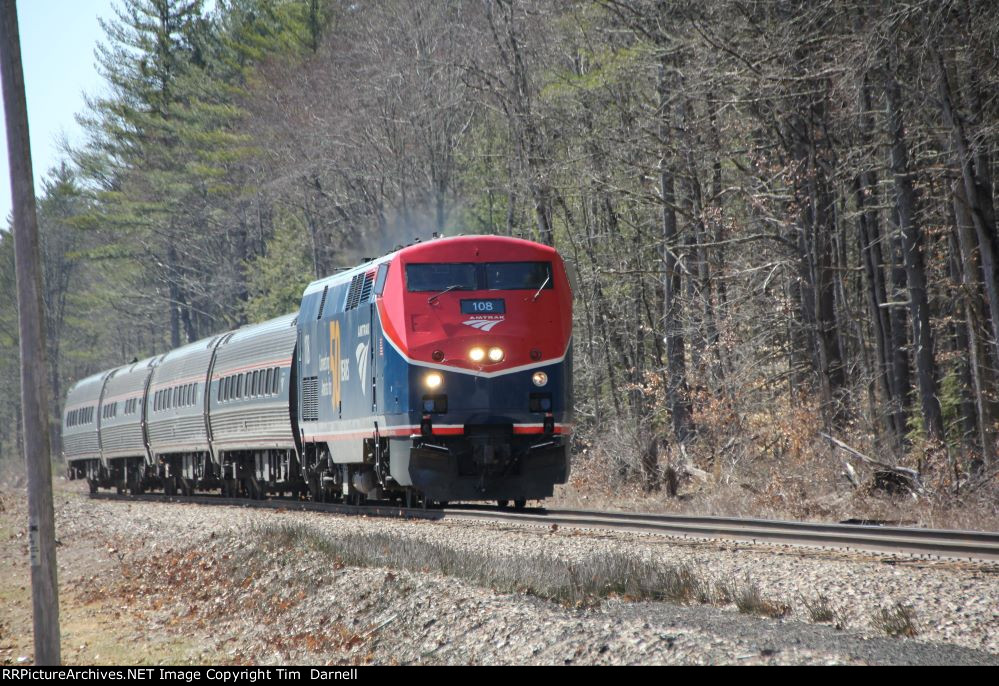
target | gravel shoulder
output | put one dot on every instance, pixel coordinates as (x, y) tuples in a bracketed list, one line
[(158, 583)]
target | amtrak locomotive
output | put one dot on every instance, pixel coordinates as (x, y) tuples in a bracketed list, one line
[(439, 372)]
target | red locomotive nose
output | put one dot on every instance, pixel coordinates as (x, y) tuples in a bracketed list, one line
[(484, 304)]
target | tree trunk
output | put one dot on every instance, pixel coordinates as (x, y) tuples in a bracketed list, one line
[(962, 346), (977, 180), (901, 376), (827, 329), (915, 273), (815, 253), (174, 291), (676, 374), (870, 252), (982, 374), (872, 256)]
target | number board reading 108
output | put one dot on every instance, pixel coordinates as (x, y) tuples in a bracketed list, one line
[(496, 306)]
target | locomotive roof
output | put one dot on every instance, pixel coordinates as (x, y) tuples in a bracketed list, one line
[(348, 274)]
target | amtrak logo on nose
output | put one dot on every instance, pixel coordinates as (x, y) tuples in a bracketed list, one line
[(483, 324)]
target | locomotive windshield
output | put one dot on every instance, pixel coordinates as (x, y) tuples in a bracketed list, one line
[(516, 276), (492, 276), (441, 277)]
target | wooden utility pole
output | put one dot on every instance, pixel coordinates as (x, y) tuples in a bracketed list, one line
[(34, 375)]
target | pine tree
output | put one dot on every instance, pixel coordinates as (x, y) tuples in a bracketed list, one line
[(160, 148), (277, 278)]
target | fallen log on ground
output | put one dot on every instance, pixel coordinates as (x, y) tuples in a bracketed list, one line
[(888, 477)]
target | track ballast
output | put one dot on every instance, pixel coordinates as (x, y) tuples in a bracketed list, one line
[(925, 543)]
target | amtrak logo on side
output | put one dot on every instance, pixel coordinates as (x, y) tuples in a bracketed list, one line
[(486, 325), (361, 353)]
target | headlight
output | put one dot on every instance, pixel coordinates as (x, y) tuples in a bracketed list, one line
[(539, 378), (496, 354), (476, 354), (433, 380)]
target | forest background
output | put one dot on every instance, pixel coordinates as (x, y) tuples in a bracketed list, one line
[(780, 215)]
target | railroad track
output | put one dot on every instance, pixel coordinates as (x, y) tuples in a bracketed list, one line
[(925, 543)]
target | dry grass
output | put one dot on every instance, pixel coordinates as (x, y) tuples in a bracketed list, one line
[(750, 601), (573, 584), (821, 611), (898, 620), (545, 576)]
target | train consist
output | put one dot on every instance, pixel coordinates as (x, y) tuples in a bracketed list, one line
[(439, 372)]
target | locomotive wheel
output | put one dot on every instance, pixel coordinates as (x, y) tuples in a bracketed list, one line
[(119, 488), (520, 503), (135, 486), (93, 485), (503, 503)]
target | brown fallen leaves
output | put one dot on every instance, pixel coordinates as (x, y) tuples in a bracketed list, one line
[(206, 589)]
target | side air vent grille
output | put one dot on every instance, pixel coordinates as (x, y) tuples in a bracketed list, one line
[(369, 280), (322, 302), (310, 399), (354, 294)]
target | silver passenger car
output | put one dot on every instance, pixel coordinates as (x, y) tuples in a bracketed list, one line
[(215, 413), (175, 407), (122, 411), (81, 444), (249, 393)]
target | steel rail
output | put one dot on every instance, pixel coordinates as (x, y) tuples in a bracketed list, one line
[(932, 543), (942, 543)]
